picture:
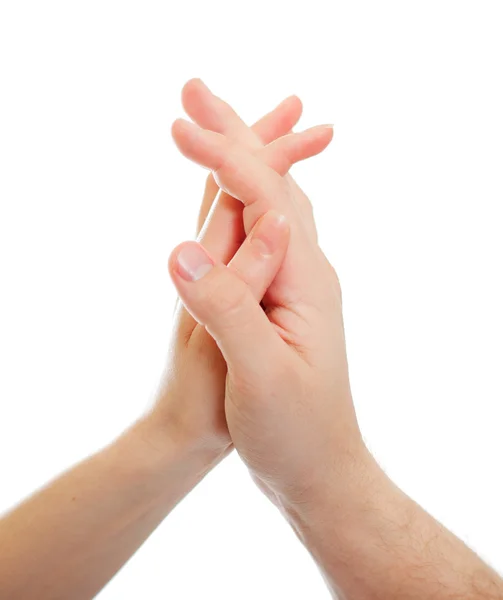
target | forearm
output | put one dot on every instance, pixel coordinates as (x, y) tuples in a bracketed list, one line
[(70, 538), (371, 541)]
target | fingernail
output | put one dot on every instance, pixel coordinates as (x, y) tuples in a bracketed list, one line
[(268, 233), (193, 262)]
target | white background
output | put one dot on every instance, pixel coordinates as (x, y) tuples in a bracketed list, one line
[(93, 196)]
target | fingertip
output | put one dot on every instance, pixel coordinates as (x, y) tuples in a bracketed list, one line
[(197, 82), (327, 133), (189, 261), (191, 92), (327, 129), (182, 126), (183, 133), (295, 104), (291, 108), (316, 139), (271, 233), (177, 128), (204, 147), (190, 85), (279, 220), (330, 128)]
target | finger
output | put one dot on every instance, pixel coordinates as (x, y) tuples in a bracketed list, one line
[(225, 299), (229, 162), (279, 121), (260, 188), (260, 256), (215, 151), (185, 322), (305, 207), (283, 153), (211, 190), (211, 112), (226, 224), (244, 175), (223, 233)]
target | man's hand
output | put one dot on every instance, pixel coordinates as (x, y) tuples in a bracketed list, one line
[(288, 401), (290, 442)]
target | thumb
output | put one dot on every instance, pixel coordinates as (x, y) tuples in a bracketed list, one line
[(226, 299)]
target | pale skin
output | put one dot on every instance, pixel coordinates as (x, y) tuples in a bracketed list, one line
[(257, 362)]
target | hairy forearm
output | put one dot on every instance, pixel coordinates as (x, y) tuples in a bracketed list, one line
[(373, 542), (70, 538)]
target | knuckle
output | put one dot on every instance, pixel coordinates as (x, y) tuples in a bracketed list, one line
[(227, 162), (308, 214), (308, 207), (333, 278), (226, 110), (336, 282), (302, 197), (226, 295)]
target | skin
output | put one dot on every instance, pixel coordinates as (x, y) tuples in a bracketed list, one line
[(221, 232), (257, 361), (72, 536), (289, 408)]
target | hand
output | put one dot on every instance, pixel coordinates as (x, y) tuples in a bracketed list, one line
[(288, 401), (190, 401), (113, 501)]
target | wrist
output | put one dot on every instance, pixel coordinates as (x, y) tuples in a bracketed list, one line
[(356, 528), (342, 494), (159, 445), (188, 413), (340, 522), (165, 467)]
